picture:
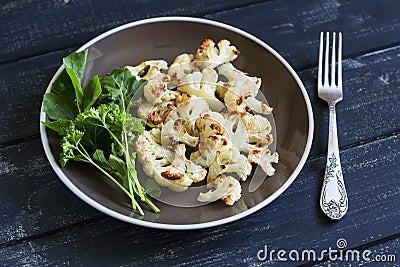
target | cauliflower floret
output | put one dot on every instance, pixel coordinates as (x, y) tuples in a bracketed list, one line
[(238, 164), (193, 171), (220, 156), (263, 157), (224, 187), (172, 177), (213, 55), (238, 78), (258, 152), (221, 90), (241, 92), (181, 173), (174, 131), (155, 90), (235, 130), (150, 153), (189, 108), (155, 114), (258, 128), (147, 69), (210, 123), (182, 65), (213, 148), (202, 84)]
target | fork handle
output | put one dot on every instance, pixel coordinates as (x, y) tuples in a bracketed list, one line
[(333, 201)]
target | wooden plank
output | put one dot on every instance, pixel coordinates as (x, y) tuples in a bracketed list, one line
[(34, 27), (32, 198), (369, 82), (23, 84), (293, 221), (371, 100), (293, 27), (382, 254)]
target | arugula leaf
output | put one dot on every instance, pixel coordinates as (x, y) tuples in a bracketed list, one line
[(114, 164), (58, 107), (76, 61), (65, 99), (60, 102), (74, 65), (63, 86), (60, 126), (77, 87), (92, 92)]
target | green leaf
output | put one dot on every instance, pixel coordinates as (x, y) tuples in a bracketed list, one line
[(95, 138), (58, 107), (77, 87), (99, 158), (69, 145), (118, 166), (76, 61), (74, 65), (60, 102), (92, 92), (114, 149), (120, 85), (63, 86), (60, 126)]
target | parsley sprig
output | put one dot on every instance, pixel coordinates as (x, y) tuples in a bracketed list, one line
[(94, 124)]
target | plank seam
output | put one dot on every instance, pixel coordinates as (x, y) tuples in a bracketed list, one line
[(198, 14), (54, 231), (103, 217), (359, 143), (358, 55), (19, 140)]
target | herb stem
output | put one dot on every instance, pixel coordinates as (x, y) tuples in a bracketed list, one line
[(131, 196), (151, 204)]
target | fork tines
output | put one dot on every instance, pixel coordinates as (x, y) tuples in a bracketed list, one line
[(332, 81)]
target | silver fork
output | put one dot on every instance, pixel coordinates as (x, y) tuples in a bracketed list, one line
[(333, 201)]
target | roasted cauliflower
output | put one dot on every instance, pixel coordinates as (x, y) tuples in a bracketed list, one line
[(174, 131), (223, 187), (202, 84), (182, 66), (213, 55), (241, 92), (147, 69), (204, 107)]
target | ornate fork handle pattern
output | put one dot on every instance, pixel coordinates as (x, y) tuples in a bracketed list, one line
[(334, 202)]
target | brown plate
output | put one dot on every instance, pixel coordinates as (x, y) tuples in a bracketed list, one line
[(165, 38)]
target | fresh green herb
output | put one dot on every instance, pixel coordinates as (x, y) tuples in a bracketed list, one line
[(94, 123)]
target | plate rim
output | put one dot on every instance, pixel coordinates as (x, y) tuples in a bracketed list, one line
[(125, 218)]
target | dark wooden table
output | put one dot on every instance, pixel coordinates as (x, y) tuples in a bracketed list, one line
[(43, 223)]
